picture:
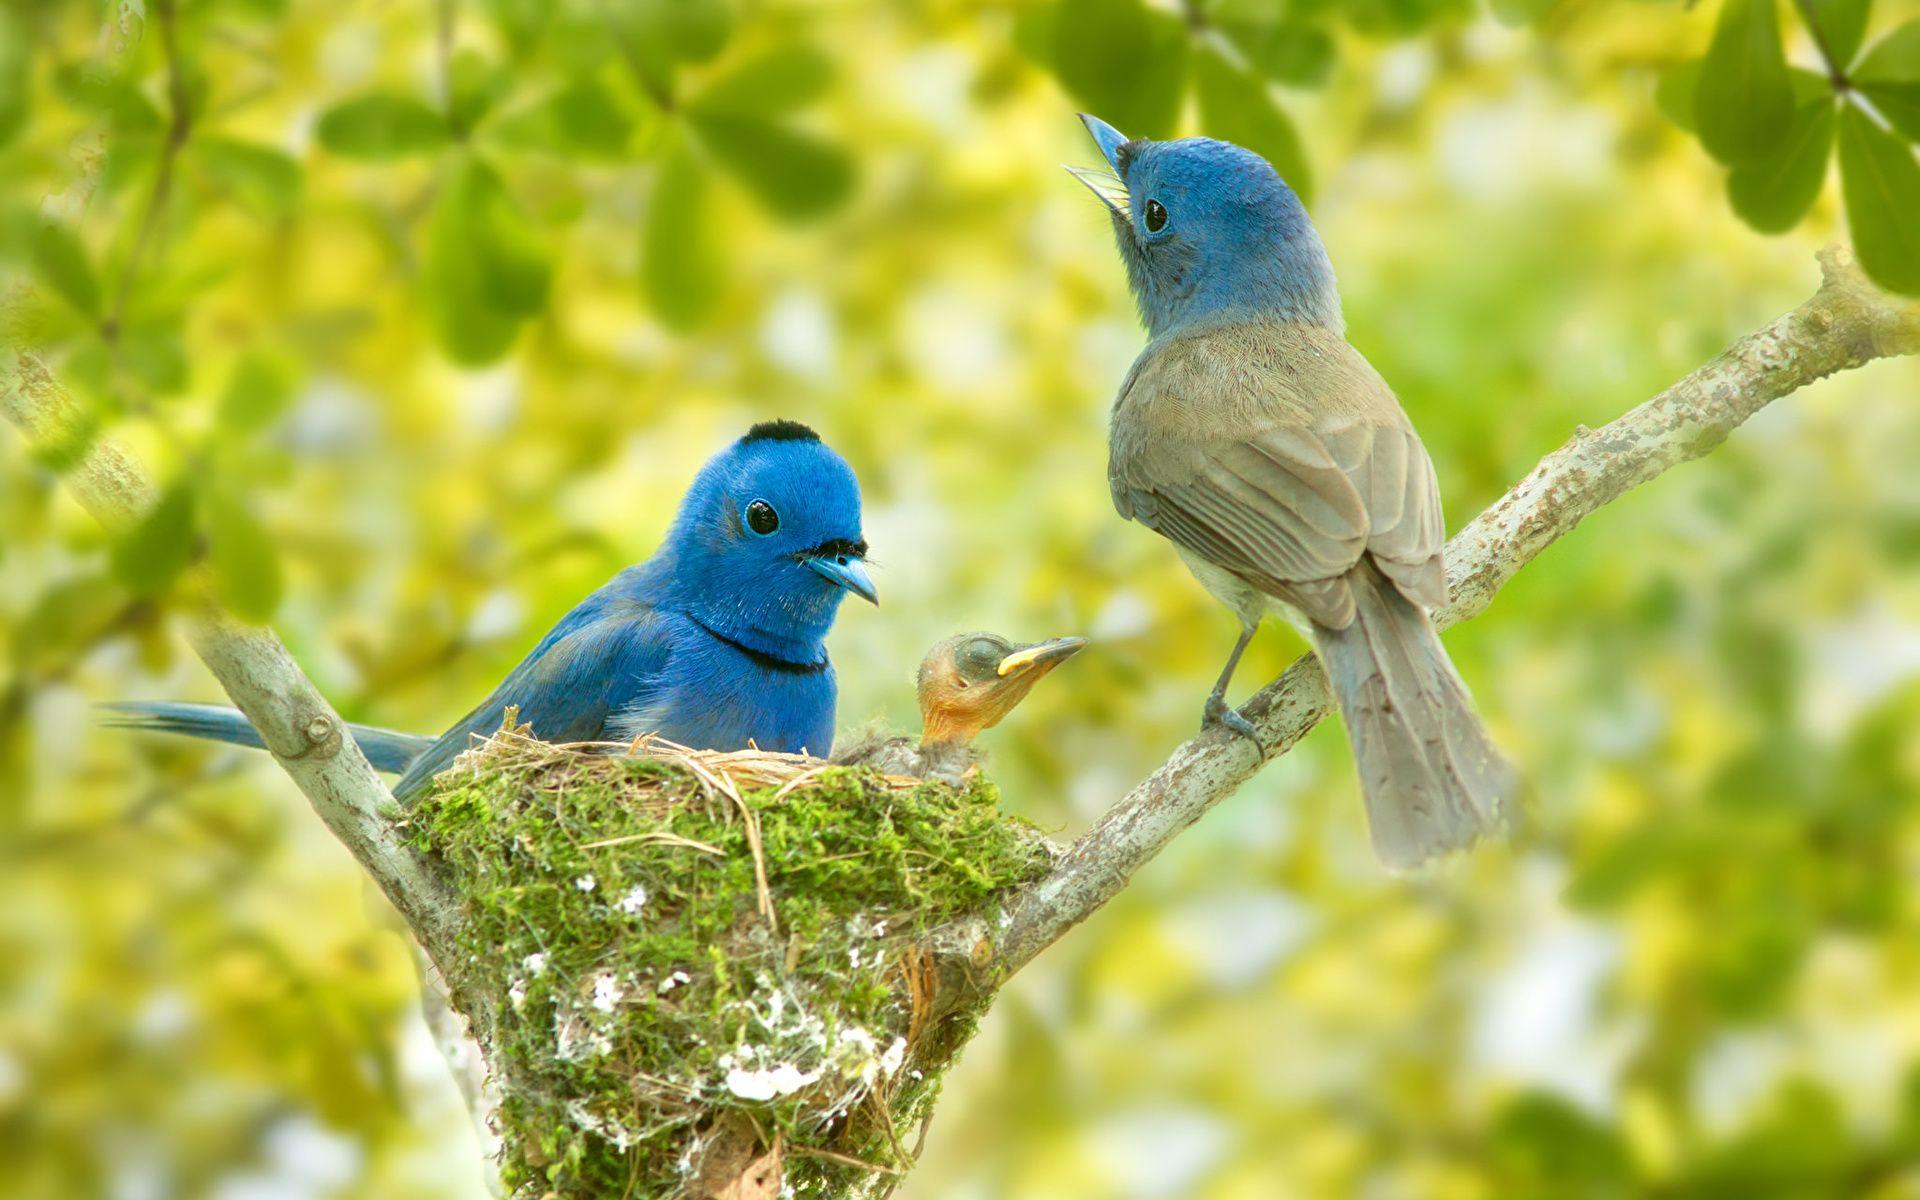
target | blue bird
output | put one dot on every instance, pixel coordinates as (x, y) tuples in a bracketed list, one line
[(1286, 474), (715, 642)]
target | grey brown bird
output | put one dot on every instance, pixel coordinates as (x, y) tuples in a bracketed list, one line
[(1285, 472), (967, 683)]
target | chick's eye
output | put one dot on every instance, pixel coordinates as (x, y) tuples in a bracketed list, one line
[(1156, 216), (761, 518)]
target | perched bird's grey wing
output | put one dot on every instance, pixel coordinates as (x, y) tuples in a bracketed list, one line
[(1275, 452), (1406, 534)]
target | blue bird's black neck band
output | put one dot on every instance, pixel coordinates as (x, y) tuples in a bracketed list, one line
[(771, 662)]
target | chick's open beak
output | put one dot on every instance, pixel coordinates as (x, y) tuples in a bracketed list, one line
[(1041, 656), (844, 570)]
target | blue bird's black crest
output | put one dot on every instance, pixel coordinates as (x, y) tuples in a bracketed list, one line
[(780, 431)]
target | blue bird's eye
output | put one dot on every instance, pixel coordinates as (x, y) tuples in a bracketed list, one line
[(761, 518), (1156, 216)]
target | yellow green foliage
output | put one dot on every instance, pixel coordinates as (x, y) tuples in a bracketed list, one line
[(1693, 971)]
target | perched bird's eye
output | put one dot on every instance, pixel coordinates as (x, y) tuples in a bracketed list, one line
[(1156, 216), (761, 518)]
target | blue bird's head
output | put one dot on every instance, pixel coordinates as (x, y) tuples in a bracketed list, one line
[(767, 541), (1210, 232)]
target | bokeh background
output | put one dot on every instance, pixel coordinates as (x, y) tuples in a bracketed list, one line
[(440, 307)]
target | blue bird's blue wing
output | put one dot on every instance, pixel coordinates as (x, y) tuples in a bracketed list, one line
[(386, 749), (603, 657)]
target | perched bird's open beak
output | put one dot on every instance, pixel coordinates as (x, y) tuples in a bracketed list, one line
[(1107, 185), (1041, 656), (844, 570), (1106, 137)]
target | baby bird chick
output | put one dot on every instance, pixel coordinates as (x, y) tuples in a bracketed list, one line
[(966, 684)]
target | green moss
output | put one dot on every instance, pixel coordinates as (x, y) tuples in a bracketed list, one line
[(614, 912)]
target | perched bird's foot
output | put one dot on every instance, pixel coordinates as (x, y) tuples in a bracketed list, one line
[(1217, 713)]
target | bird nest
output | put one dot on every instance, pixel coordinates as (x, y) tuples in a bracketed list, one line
[(711, 974)]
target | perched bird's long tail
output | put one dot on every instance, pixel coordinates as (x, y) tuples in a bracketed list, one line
[(385, 749), (1433, 780)]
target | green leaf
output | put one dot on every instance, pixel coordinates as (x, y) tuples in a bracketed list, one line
[(246, 563), (1881, 183), (91, 89), (1839, 24), (589, 121), (1399, 18), (659, 36), (773, 84), (1236, 107), (484, 270), (16, 94), (509, 262), (521, 22), (680, 258), (259, 391), (474, 87), (1800, 1146), (68, 615), (1745, 97), (151, 554), (1541, 1145), (1284, 50), (1516, 13), (1773, 193), (581, 120), (1890, 76), (1126, 63), (1674, 94), (689, 30), (263, 179), (381, 125), (61, 263), (157, 358), (795, 174)]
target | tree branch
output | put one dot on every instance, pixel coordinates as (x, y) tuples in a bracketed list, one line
[(1846, 324), (306, 736)]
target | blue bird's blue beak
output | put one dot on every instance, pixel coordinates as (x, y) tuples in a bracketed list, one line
[(1107, 185), (843, 570), (1106, 137)]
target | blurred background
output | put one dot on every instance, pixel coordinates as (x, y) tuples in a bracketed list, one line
[(429, 314)]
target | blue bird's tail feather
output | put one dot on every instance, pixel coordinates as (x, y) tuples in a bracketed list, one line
[(387, 750)]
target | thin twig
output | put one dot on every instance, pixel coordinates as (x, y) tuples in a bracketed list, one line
[(845, 1160), (661, 837), (179, 124), (1836, 70)]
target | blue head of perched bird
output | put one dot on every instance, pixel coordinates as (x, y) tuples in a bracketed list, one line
[(1210, 233), (716, 642), (1279, 463)]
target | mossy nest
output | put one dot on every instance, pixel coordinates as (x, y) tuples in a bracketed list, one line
[(685, 956)]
